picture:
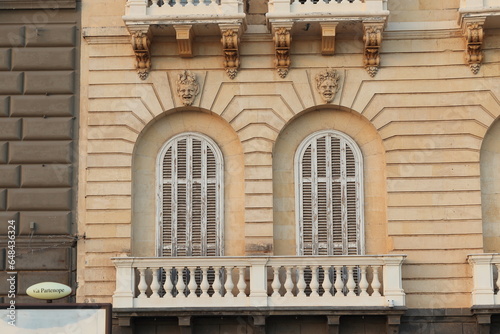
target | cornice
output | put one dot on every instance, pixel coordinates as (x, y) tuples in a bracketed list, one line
[(107, 35)]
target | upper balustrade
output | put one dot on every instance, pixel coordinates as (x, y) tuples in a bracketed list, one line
[(478, 6), (182, 11), (327, 9), (197, 282)]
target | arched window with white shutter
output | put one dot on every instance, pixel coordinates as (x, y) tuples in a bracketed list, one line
[(329, 194), (190, 195)]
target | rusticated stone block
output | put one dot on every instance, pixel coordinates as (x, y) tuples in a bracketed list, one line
[(42, 105), (60, 35), (9, 176), (25, 279), (41, 259), (10, 128), (5, 216), (39, 199), (50, 175), (4, 105), (40, 152), (3, 152), (42, 59), (5, 59), (49, 82), (11, 35), (45, 222), (12, 82), (3, 196), (47, 128)]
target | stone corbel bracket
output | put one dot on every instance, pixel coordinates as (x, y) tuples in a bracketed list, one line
[(473, 32), (282, 38), (141, 43), (328, 37), (372, 38), (230, 45), (184, 36)]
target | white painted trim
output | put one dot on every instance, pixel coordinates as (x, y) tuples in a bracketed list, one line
[(298, 183), (219, 186)]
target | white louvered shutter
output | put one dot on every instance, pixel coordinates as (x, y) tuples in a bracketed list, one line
[(191, 194), (329, 196)]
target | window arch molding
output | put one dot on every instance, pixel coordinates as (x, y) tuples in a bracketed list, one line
[(345, 215), (203, 178), (144, 177), (370, 144)]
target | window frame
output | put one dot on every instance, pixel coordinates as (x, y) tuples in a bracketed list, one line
[(299, 154), (219, 161)]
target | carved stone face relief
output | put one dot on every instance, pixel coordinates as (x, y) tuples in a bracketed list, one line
[(327, 83), (187, 87)]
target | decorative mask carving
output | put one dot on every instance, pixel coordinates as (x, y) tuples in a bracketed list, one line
[(327, 83), (282, 40), (230, 42), (141, 42), (473, 32), (373, 39), (187, 87)]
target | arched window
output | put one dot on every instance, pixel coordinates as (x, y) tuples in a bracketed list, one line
[(329, 195), (190, 194)]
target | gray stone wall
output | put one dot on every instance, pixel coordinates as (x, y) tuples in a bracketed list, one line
[(39, 60)]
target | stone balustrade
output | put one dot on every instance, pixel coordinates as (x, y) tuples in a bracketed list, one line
[(486, 281), (327, 8), (165, 10), (196, 282)]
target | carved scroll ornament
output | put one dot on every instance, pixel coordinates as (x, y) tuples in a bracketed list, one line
[(473, 32), (230, 42), (141, 42), (282, 40), (373, 39)]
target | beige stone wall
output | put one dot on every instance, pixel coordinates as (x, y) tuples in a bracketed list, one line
[(425, 109)]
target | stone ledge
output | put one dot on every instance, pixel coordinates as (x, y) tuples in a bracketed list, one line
[(37, 4)]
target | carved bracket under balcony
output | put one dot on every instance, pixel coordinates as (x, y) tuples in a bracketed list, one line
[(184, 36), (141, 43), (473, 33), (230, 45), (328, 37), (373, 40), (282, 42)]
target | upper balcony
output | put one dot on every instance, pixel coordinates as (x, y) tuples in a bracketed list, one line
[(258, 282)]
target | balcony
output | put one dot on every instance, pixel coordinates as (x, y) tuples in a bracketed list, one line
[(258, 282), (330, 9)]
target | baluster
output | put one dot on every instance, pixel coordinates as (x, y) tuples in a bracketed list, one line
[(190, 2), (180, 286), (155, 284), (288, 282), (192, 282), (229, 283), (314, 285), (351, 284), (363, 282), (216, 285), (327, 283), (241, 282), (213, 2), (276, 281), (301, 282), (204, 286), (154, 4), (339, 285), (376, 282), (167, 285), (142, 283)]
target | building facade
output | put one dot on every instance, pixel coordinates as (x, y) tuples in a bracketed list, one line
[(39, 102), (290, 166)]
